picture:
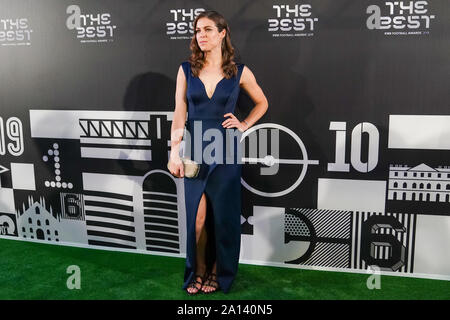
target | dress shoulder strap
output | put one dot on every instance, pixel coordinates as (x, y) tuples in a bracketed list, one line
[(240, 67), (186, 68)]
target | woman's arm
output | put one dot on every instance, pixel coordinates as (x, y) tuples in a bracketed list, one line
[(178, 123), (249, 84)]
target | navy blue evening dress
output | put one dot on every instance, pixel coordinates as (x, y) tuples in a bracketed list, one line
[(220, 180)]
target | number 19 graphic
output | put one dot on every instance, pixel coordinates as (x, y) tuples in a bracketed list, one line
[(14, 132)]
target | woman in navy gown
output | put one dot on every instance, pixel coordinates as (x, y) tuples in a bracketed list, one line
[(207, 89)]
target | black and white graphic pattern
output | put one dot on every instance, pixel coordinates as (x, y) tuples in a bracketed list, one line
[(115, 139), (420, 183), (53, 157), (328, 233), (109, 219), (3, 169), (37, 221), (385, 240), (8, 225), (161, 214), (72, 206), (345, 239)]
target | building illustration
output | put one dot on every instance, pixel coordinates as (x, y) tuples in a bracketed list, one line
[(420, 183), (36, 222)]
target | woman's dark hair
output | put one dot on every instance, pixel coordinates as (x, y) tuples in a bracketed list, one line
[(197, 58)]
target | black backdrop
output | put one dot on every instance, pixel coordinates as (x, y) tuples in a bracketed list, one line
[(323, 65)]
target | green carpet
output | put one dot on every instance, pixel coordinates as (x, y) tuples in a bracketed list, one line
[(38, 271)]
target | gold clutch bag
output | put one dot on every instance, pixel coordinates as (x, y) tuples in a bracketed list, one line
[(191, 168)]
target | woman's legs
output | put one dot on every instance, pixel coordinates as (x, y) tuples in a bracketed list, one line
[(211, 283), (200, 237)]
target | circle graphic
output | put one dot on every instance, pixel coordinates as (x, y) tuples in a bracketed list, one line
[(269, 160)]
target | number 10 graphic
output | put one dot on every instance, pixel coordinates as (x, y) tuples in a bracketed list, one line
[(356, 143)]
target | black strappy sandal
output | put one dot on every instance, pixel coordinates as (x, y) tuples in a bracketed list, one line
[(193, 284), (211, 281)]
